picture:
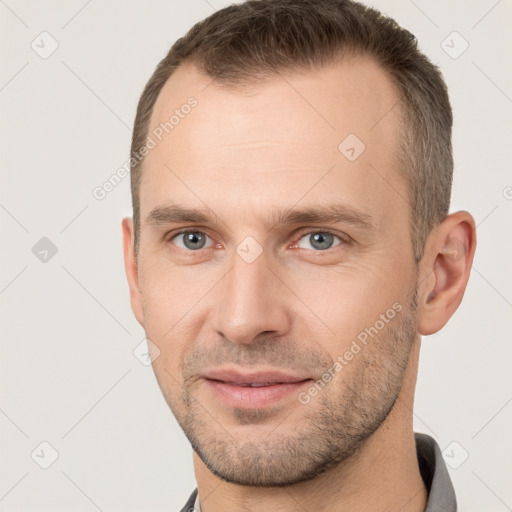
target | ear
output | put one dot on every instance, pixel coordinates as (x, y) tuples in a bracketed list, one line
[(130, 266), (445, 269)]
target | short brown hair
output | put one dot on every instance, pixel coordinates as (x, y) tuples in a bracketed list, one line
[(259, 38)]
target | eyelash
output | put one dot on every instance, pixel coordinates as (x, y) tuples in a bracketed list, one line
[(343, 240)]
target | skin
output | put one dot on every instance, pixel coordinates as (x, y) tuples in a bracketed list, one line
[(240, 154)]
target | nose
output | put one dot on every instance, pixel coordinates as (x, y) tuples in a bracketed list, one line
[(250, 302)]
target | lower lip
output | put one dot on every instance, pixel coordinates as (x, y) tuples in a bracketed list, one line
[(249, 397)]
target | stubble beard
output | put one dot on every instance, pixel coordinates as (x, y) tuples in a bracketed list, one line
[(333, 427)]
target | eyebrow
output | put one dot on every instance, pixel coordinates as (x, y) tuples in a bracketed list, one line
[(329, 213)]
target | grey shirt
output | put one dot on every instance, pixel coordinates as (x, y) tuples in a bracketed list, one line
[(441, 495)]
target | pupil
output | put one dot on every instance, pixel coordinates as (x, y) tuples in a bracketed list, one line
[(321, 241), (195, 240)]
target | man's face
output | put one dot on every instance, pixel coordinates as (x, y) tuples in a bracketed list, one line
[(242, 290)]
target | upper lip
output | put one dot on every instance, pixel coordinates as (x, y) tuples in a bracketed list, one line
[(259, 377)]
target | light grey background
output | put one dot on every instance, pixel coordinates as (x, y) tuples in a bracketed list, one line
[(68, 373)]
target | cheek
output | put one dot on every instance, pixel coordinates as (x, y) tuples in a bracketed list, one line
[(164, 304), (165, 288), (345, 301)]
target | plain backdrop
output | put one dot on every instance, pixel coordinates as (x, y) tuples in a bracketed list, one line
[(69, 377)]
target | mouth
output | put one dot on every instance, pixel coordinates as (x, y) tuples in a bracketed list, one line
[(253, 390), (254, 384)]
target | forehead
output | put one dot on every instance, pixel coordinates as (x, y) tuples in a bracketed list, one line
[(272, 141)]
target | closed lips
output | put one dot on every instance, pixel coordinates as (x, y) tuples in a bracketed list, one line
[(255, 384), (253, 379)]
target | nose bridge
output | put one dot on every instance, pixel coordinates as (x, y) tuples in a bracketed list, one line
[(249, 302)]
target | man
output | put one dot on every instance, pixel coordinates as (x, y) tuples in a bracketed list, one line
[(290, 243)]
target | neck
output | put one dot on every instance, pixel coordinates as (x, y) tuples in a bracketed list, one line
[(382, 476)]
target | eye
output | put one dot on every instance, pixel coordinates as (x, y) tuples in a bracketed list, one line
[(319, 240), (191, 240)]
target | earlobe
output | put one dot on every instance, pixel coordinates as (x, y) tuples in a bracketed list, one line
[(446, 267), (131, 269)]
